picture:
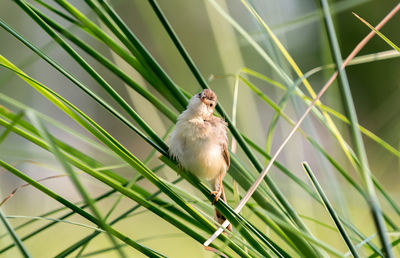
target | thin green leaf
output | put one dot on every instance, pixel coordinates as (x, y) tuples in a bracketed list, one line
[(329, 207), (360, 151), (379, 33), (78, 210), (14, 121), (35, 218), (24, 252), (74, 178)]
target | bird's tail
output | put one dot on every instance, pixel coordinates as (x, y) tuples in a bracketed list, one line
[(218, 215)]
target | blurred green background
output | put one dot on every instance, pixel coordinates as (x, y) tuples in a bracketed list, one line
[(218, 50)]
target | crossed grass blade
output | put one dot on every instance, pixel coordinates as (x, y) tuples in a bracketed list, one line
[(109, 141), (360, 151)]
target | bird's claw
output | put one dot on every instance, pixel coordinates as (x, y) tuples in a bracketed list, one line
[(217, 195)]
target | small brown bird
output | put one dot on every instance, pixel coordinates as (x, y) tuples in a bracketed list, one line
[(200, 143)]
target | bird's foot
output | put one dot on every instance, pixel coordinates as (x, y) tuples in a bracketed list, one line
[(217, 195)]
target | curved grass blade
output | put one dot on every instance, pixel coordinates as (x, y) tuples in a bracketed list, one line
[(33, 220), (109, 65), (94, 31), (79, 84), (121, 102), (24, 252), (330, 209), (103, 136), (6, 113), (78, 210), (139, 65), (74, 178), (164, 216), (144, 55)]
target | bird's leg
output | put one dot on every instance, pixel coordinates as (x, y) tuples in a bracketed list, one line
[(218, 192)]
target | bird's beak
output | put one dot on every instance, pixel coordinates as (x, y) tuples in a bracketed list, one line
[(203, 99)]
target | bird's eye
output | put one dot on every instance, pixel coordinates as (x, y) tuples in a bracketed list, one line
[(211, 104)]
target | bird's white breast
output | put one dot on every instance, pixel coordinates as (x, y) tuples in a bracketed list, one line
[(194, 143)]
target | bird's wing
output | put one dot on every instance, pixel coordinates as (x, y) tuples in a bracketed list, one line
[(225, 154)]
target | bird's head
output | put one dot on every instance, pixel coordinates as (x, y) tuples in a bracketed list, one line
[(203, 103)]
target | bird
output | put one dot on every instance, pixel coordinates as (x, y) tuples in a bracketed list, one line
[(199, 143)]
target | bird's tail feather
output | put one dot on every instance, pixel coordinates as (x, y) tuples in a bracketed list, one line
[(218, 215)]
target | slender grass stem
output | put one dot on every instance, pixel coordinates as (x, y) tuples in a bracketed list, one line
[(78, 210), (17, 241), (330, 209), (355, 131)]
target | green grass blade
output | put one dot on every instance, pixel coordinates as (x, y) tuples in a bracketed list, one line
[(35, 218), (80, 85), (310, 238), (309, 191), (379, 33), (319, 148), (59, 13), (144, 55), (43, 228), (330, 209), (22, 225), (74, 178), (97, 78), (13, 102), (14, 121), (118, 148), (362, 59), (24, 252), (78, 210), (139, 65), (94, 31), (112, 67), (178, 44), (164, 216), (355, 132), (240, 177)]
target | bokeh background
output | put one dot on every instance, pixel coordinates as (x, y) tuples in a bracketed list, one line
[(219, 51)]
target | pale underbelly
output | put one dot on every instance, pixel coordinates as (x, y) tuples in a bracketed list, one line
[(204, 160)]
